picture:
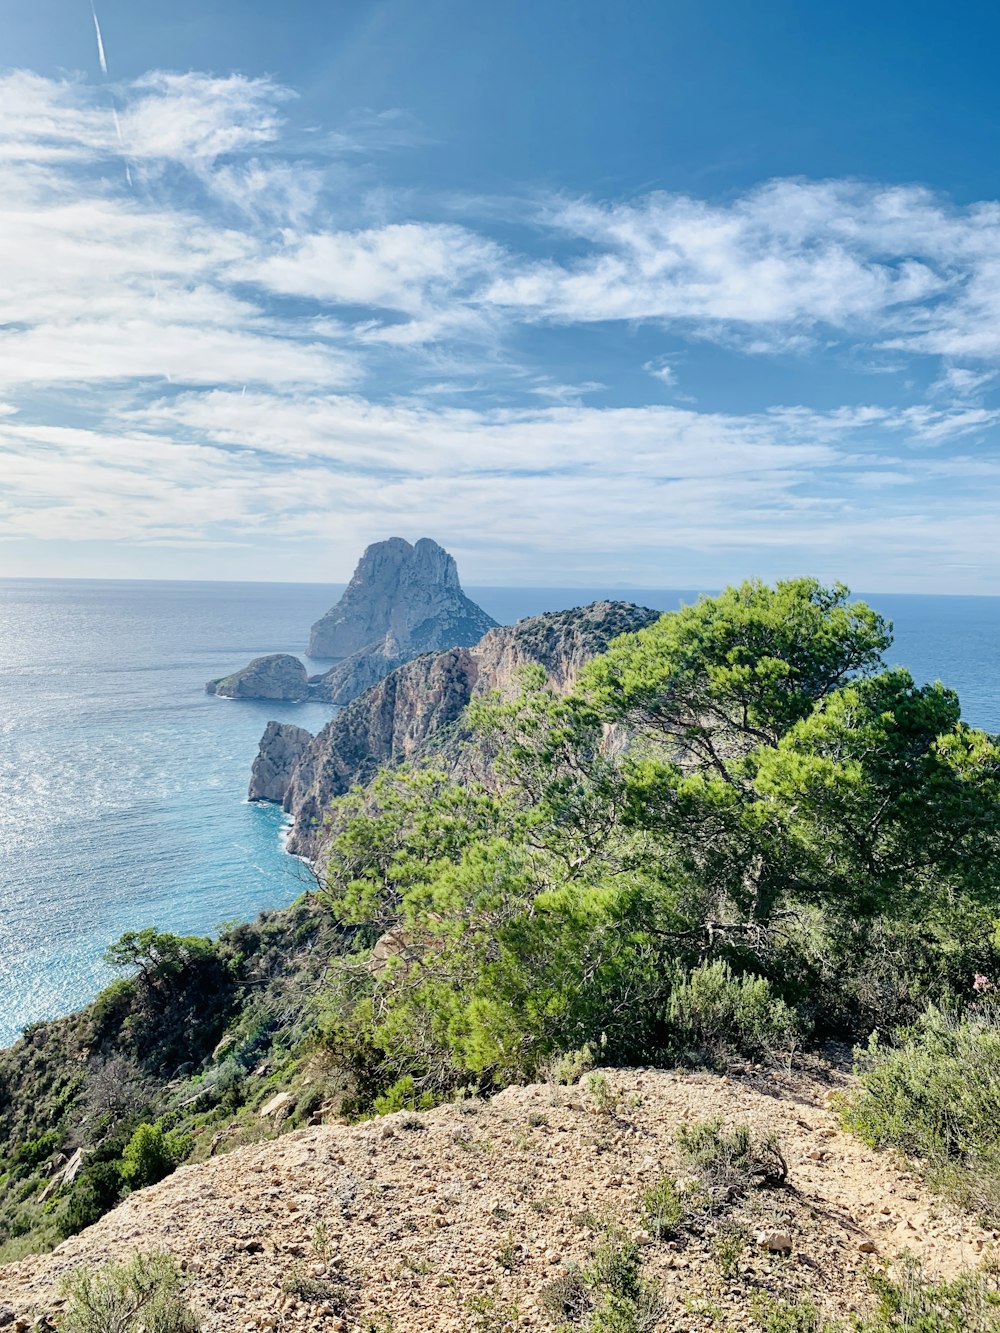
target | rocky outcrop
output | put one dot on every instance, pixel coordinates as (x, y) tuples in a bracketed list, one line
[(357, 673), (417, 702), (281, 748), (386, 724), (278, 676), (409, 592)]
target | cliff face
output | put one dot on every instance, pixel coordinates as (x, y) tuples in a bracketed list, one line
[(399, 715), (281, 747), (409, 592), (357, 673), (386, 724)]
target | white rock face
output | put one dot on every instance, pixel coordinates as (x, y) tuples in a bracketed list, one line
[(410, 594)]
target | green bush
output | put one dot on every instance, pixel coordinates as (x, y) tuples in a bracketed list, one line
[(142, 1296), (663, 1210), (905, 1303), (934, 1095), (715, 1013), (623, 1300), (96, 1190), (151, 1154), (728, 1163), (36, 1151)]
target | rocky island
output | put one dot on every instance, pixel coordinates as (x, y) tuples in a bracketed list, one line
[(402, 600), (277, 676)]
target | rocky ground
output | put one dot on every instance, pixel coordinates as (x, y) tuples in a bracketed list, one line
[(460, 1218)]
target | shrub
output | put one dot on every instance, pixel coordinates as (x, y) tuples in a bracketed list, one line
[(969, 1303), (934, 1096), (663, 1210), (905, 1303), (729, 1162), (403, 1096), (571, 1066), (776, 1316), (623, 1301), (566, 1297), (36, 1151), (142, 1296), (95, 1191), (715, 1013), (600, 1090), (319, 1291), (152, 1154)]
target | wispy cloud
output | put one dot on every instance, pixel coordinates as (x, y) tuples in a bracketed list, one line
[(236, 343)]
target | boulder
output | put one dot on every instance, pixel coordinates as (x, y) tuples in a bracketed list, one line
[(277, 676)]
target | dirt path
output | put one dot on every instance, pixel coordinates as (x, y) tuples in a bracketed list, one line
[(482, 1204)]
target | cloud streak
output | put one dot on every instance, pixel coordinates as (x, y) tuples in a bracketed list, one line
[(248, 350)]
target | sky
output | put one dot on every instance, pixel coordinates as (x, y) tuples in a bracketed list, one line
[(666, 294)]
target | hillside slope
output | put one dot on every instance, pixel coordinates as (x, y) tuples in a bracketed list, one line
[(451, 1219)]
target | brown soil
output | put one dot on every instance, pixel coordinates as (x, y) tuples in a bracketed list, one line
[(412, 1222)]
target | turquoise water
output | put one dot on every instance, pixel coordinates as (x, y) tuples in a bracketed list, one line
[(122, 784)]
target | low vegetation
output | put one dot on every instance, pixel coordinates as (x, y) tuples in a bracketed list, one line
[(908, 1302), (934, 1095), (143, 1296), (171, 1061)]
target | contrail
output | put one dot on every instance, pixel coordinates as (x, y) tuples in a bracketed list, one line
[(100, 40)]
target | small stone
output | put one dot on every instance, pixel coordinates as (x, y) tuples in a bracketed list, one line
[(276, 1105), (775, 1242)]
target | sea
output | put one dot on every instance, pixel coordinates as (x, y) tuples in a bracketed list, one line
[(123, 784)]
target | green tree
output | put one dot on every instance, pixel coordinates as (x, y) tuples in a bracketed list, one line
[(739, 782)]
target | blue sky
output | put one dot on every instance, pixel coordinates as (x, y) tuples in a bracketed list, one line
[(663, 294)]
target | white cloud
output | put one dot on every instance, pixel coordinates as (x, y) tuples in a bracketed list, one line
[(261, 357)]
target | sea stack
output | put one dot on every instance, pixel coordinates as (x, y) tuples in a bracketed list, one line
[(408, 595)]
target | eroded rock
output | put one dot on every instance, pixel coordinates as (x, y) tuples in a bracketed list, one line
[(276, 676)]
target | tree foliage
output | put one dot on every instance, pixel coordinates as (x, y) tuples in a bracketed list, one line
[(670, 854)]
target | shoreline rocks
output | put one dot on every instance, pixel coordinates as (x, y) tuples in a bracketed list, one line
[(281, 747)]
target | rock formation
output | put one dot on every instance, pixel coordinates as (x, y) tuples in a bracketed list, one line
[(409, 592), (278, 676), (357, 673), (281, 747), (397, 717)]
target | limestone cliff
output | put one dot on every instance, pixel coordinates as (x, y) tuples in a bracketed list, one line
[(281, 747), (357, 673), (409, 592), (397, 717), (277, 676)]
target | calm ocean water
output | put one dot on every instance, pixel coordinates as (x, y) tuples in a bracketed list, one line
[(122, 784)]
